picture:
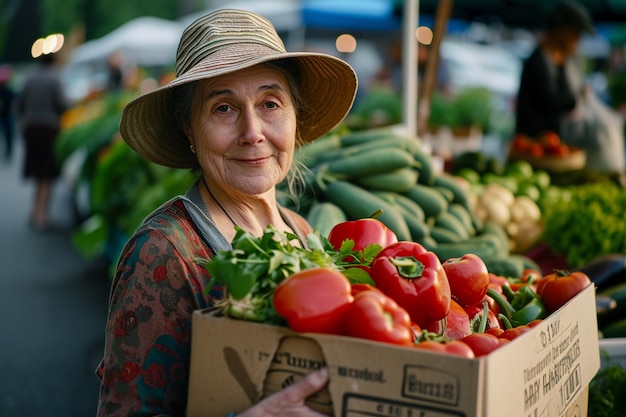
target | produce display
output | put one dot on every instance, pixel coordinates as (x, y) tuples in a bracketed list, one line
[(547, 152), (353, 175), (389, 291)]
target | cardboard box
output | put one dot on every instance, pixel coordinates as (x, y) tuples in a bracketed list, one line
[(544, 372)]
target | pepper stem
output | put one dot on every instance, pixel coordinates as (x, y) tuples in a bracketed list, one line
[(408, 266)]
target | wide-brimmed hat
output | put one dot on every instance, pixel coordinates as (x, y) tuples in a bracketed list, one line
[(221, 42)]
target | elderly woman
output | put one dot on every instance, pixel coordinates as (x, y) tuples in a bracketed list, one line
[(237, 109)]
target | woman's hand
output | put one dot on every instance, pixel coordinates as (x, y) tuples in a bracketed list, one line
[(290, 401)]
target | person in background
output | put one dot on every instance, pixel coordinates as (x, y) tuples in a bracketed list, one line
[(40, 105), (235, 112), (7, 99), (554, 97)]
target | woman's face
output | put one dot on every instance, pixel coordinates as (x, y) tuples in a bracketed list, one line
[(243, 129)]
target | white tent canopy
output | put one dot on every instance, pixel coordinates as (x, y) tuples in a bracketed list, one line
[(145, 41)]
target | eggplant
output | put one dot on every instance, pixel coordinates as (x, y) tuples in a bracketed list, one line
[(606, 270)]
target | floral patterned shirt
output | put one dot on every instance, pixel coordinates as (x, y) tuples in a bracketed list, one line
[(156, 288)]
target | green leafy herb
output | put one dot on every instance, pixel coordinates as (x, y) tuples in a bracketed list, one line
[(254, 267)]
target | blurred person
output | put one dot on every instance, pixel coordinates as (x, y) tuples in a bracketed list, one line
[(40, 104), (237, 109), (7, 99), (553, 95)]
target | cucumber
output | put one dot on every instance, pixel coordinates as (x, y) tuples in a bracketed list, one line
[(444, 235), (431, 200), (373, 161), (324, 215), (380, 144), (427, 169), (494, 229), (365, 136), (312, 150), (359, 203), (412, 213), (506, 266), (464, 216), (447, 220), (411, 207), (484, 246), (449, 182), (399, 180), (446, 193)]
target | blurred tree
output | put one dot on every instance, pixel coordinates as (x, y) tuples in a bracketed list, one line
[(100, 17)]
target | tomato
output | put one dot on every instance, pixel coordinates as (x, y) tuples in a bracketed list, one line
[(453, 347), (468, 278), (454, 326), (314, 300), (374, 316), (550, 138), (363, 232), (483, 343), (475, 312), (559, 287)]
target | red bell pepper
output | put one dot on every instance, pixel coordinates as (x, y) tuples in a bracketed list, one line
[(374, 316), (468, 277), (314, 300), (415, 279)]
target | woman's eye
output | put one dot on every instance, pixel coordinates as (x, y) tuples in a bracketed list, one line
[(223, 108), (271, 105)]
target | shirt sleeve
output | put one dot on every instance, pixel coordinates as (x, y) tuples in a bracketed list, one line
[(147, 352)]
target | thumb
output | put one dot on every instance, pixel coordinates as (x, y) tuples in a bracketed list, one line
[(313, 382)]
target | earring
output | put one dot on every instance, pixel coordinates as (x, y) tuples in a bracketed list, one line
[(192, 149)]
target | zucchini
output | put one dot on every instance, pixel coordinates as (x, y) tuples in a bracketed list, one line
[(399, 180), (373, 161), (359, 203), (324, 215), (431, 200)]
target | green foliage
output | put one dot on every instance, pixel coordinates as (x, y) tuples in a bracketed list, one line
[(100, 17), (586, 221), (470, 107), (380, 107)]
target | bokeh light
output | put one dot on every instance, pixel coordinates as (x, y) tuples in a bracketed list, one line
[(345, 43), (48, 45)]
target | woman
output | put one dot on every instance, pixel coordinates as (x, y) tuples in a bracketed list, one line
[(237, 109)]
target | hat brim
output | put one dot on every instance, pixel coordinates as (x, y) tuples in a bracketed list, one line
[(328, 89)]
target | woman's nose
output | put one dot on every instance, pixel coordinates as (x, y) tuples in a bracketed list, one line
[(252, 127)]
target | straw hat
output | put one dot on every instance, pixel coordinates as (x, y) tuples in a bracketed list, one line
[(221, 42)]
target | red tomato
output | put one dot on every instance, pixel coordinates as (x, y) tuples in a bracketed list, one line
[(314, 300), (559, 287), (374, 316), (453, 347), (483, 343), (468, 277)]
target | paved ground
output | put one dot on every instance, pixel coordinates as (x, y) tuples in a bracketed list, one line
[(52, 309)]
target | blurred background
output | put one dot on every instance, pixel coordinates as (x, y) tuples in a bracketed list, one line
[(54, 286)]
